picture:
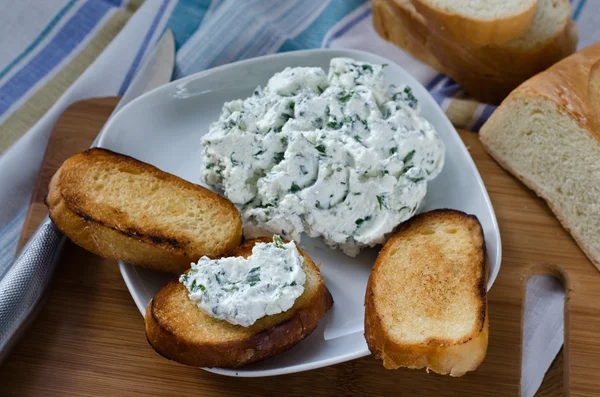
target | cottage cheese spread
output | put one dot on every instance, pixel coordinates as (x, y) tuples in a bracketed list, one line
[(242, 290), (340, 156)]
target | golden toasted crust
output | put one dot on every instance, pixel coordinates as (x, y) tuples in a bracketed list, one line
[(476, 32), (86, 201), (177, 329), (426, 301)]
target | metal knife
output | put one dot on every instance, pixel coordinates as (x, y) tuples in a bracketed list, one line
[(24, 284)]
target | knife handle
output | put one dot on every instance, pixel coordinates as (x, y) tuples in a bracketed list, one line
[(23, 285)]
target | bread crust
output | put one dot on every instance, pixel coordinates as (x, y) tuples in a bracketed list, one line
[(113, 236), (475, 32), (572, 85), (441, 355), (255, 343), (487, 73)]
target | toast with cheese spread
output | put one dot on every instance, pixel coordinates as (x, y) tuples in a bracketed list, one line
[(120, 208), (426, 303), (179, 330)]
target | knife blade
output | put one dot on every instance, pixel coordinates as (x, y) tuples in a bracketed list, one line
[(24, 284)]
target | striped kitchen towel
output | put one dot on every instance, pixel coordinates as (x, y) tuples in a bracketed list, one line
[(55, 52)]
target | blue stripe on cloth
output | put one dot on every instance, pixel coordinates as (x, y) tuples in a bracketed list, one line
[(39, 39), (578, 9), (485, 114), (313, 35), (189, 55), (267, 38), (185, 19), (259, 29), (435, 81), (142, 50), (65, 41), (225, 49), (349, 25), (9, 237)]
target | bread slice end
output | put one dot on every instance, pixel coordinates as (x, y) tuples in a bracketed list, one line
[(454, 360), (426, 299)]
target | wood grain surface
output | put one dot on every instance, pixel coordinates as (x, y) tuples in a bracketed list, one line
[(89, 338)]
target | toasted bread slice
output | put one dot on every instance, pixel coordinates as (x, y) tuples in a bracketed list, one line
[(177, 329), (426, 304), (120, 208)]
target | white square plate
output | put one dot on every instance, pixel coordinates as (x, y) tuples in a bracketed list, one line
[(163, 128)]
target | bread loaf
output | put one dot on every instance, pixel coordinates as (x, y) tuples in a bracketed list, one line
[(487, 73), (547, 134), (480, 22)]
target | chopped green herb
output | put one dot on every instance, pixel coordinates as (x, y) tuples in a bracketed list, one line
[(318, 205), (338, 169), (292, 105), (185, 277), (209, 166), (393, 150), (380, 201), (356, 138), (384, 65), (408, 157), (321, 149), (359, 221), (294, 187), (416, 180), (356, 194), (367, 67), (320, 89), (334, 125), (284, 140), (217, 278), (293, 284), (242, 126), (194, 287), (344, 96), (410, 98), (278, 157), (253, 279), (234, 162), (278, 241), (202, 287), (255, 155)]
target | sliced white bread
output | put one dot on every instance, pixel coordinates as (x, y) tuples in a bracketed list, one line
[(487, 73), (547, 134), (478, 22), (426, 301)]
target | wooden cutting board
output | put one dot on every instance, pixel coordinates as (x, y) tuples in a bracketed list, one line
[(89, 338)]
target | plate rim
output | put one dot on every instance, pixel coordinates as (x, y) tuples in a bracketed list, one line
[(125, 268)]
